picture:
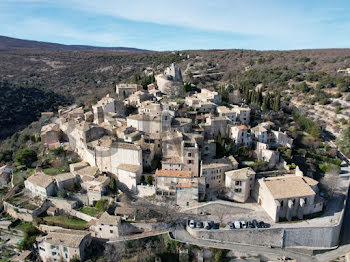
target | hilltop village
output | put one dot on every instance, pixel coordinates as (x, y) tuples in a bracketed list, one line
[(173, 155)]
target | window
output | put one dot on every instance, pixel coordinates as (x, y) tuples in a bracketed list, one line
[(238, 190), (43, 249), (281, 203), (65, 249), (53, 253), (189, 154), (305, 200), (111, 231), (238, 183), (66, 255), (189, 161), (100, 228)]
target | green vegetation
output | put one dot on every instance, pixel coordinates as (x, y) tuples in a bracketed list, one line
[(26, 157), (65, 220), (343, 142), (308, 125), (149, 180), (101, 205), (54, 171), (22, 104), (30, 234), (20, 175), (91, 211)]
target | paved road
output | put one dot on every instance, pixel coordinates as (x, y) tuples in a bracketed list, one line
[(180, 234)]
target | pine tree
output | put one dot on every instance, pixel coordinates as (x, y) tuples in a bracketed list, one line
[(276, 105)]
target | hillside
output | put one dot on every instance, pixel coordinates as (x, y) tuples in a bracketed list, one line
[(9, 43), (87, 75)]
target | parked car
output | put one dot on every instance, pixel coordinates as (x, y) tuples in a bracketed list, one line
[(206, 225), (192, 224), (211, 224), (230, 225), (255, 223), (216, 226), (250, 224), (237, 224), (199, 224), (243, 224), (262, 224), (205, 213)]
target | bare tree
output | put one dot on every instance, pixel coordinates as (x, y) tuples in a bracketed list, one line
[(221, 213), (330, 181)]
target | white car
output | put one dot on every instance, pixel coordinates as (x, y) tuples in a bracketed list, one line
[(237, 224), (244, 225), (192, 224)]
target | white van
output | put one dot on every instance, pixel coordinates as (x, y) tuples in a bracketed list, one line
[(192, 224), (237, 224)]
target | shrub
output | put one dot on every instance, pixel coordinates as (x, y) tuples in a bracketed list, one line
[(26, 157)]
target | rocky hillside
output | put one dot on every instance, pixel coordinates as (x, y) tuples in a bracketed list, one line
[(85, 76)]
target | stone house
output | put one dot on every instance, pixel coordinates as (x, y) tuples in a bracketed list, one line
[(166, 180), (63, 245), (285, 197), (260, 133), (215, 125), (224, 111), (5, 174), (107, 226), (40, 184), (129, 175), (281, 139), (171, 82), (50, 135), (187, 193), (126, 213), (65, 181), (240, 135), (213, 171), (239, 184), (125, 90), (243, 114), (107, 105)]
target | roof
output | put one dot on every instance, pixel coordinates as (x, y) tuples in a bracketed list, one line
[(243, 173), (88, 171), (108, 219), (187, 184), (220, 162), (124, 211), (127, 146), (288, 187), (311, 182), (129, 167), (21, 257), (40, 179), (242, 127), (50, 127), (259, 128), (224, 109), (64, 176), (173, 173), (77, 166), (70, 238), (172, 160)]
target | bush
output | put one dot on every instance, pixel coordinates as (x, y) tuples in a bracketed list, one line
[(26, 157), (30, 233), (149, 180), (102, 205), (59, 151)]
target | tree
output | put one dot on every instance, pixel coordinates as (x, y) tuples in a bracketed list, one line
[(30, 233), (276, 104), (149, 180), (343, 142), (113, 185), (75, 258), (62, 193), (102, 205), (26, 157), (59, 151)]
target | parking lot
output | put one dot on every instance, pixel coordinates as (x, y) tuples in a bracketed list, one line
[(223, 212)]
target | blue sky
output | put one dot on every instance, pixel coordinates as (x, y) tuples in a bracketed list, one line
[(181, 24)]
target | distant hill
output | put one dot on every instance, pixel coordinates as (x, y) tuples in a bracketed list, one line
[(9, 43)]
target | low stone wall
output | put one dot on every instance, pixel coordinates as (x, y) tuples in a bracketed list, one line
[(145, 190), (80, 215), (311, 237), (260, 237), (23, 213)]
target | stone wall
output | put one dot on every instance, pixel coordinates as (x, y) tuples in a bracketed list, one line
[(261, 237), (145, 190)]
